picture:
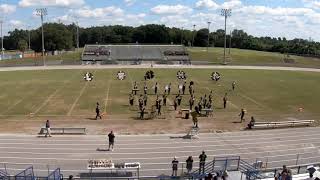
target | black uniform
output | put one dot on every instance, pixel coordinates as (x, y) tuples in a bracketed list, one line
[(156, 89), (131, 99), (145, 99), (98, 112), (242, 113), (191, 103), (175, 104), (142, 113), (225, 99), (183, 88), (179, 98), (165, 100)]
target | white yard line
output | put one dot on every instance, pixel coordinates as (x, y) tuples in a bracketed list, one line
[(77, 99), (53, 94), (13, 105), (107, 97)]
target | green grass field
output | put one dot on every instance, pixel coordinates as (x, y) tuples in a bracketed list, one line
[(250, 57), (64, 93)]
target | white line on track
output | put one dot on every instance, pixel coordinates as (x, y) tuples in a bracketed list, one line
[(170, 152), (177, 143)]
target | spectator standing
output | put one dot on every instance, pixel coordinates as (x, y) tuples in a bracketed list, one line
[(286, 173), (111, 137), (48, 130), (175, 164), (189, 163), (202, 162)]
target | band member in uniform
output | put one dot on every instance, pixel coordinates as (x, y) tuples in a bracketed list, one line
[(242, 114), (179, 99), (135, 87), (233, 85), (191, 102), (184, 87), (131, 99), (141, 102), (175, 104), (156, 88), (145, 88), (159, 107), (145, 99), (225, 100), (164, 97), (169, 88), (98, 112), (142, 112)]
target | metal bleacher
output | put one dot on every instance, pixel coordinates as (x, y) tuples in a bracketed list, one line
[(127, 54)]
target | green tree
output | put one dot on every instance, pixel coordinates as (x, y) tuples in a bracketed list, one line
[(22, 45)]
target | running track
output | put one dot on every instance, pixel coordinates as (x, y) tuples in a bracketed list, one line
[(155, 152)]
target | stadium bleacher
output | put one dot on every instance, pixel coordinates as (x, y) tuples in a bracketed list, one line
[(136, 54)]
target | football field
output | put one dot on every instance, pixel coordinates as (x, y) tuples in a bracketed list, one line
[(28, 98)]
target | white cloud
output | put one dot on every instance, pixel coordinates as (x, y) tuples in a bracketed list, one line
[(279, 11), (86, 12), (129, 2), (210, 4), (7, 8), (58, 3), (171, 10), (16, 23), (231, 4)]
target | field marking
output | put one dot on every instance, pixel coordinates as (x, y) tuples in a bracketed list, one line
[(54, 93), (77, 99), (12, 106), (107, 97), (158, 158)]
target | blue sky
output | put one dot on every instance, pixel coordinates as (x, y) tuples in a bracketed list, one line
[(276, 18)]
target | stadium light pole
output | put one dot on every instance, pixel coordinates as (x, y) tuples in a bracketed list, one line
[(29, 38), (77, 23), (194, 29), (226, 13), (1, 34), (42, 12), (181, 35), (208, 36), (230, 45)]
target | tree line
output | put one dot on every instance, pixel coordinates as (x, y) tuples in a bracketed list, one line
[(63, 37)]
